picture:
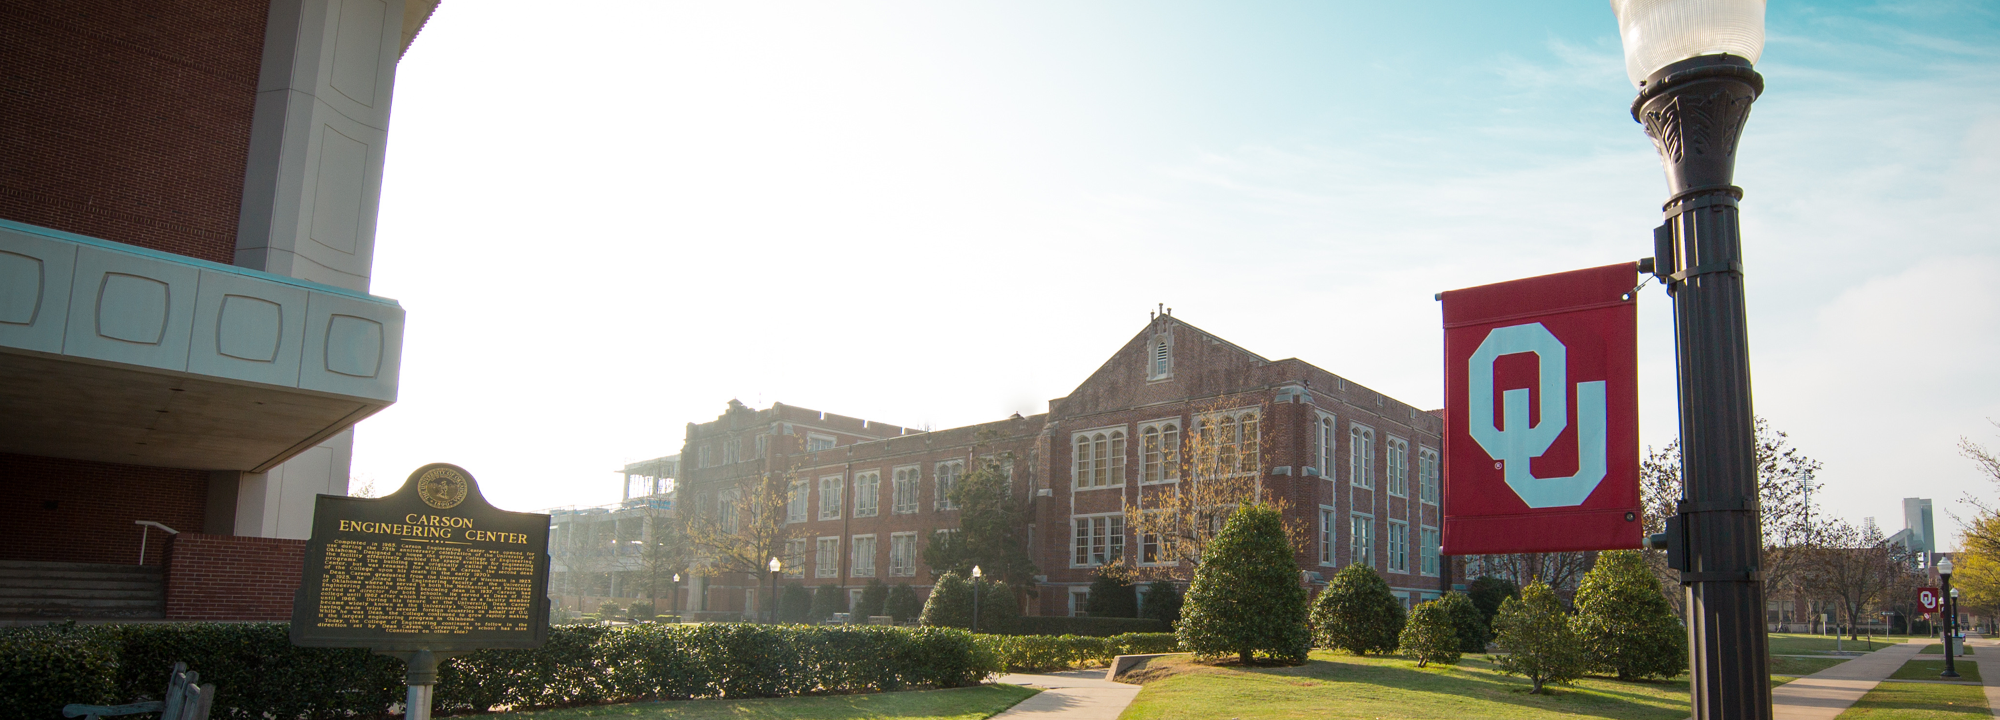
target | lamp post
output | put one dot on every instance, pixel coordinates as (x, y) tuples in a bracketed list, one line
[(775, 566), (975, 598), (1944, 569), (1692, 63), (677, 596)]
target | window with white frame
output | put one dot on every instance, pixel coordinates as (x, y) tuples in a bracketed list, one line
[(1235, 440), (1361, 456), (1100, 539), (1325, 437), (1079, 600), (816, 442), (1361, 540), (1427, 539), (905, 479), (1329, 535), (826, 564), (1399, 546), (726, 506), (1099, 460), (1399, 467), (794, 561), (1160, 359), (829, 497), (867, 494), (1160, 452), (1427, 475), (863, 564), (948, 473), (903, 554), (797, 498)]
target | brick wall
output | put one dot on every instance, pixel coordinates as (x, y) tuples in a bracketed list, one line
[(77, 511), (219, 577), (130, 120)]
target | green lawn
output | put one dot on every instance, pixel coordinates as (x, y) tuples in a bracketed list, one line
[(1803, 665), (970, 703), (1919, 701), (1802, 644), (1938, 649), (1343, 686), (1928, 670)]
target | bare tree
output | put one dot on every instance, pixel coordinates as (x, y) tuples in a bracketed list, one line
[(1982, 537), (741, 528), (1561, 571), (664, 551), (1191, 482), (1855, 566)]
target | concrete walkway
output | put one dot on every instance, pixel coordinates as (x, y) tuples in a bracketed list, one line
[(1826, 694), (1071, 695)]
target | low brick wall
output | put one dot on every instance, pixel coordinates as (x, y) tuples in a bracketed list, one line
[(221, 577)]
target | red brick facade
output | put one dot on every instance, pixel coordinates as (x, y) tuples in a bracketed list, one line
[(219, 577), (77, 511), (130, 121)]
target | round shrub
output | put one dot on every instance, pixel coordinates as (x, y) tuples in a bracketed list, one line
[(1430, 636), (1112, 594), (1465, 619), (1162, 603), (827, 600), (1488, 593), (795, 604), (1537, 638), (950, 604), (903, 603), (1246, 600), (1357, 613), (1627, 627), (874, 599)]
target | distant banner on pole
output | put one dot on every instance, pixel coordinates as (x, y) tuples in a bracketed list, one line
[(1542, 414), (1929, 599)]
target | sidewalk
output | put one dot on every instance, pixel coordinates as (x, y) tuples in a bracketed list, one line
[(1824, 695), (1072, 695)]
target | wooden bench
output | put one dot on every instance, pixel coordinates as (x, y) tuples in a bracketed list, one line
[(186, 699)]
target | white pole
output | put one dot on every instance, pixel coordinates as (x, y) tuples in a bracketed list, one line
[(417, 706)]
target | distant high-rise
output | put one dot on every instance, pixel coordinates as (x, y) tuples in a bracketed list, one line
[(1918, 534)]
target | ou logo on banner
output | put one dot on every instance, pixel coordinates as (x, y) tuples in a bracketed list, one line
[(1518, 442), (1927, 598)]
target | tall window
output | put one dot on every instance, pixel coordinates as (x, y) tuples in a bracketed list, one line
[(1399, 467), (1399, 546), (827, 564), (1427, 475), (1428, 541), (906, 489), (1361, 456), (726, 510), (829, 498), (1325, 438), (903, 554), (1160, 452), (1235, 440), (947, 481), (1099, 460), (731, 451), (1361, 543), (1329, 535), (1159, 359), (797, 496), (867, 494), (795, 558), (1100, 539), (863, 564)]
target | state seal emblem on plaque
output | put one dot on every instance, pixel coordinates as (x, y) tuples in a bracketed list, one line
[(442, 488)]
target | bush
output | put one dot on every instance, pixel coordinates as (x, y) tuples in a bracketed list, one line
[(609, 610), (1537, 637), (642, 610), (1163, 602), (1246, 599), (1626, 626), (1465, 619), (795, 604), (950, 604), (257, 670), (1487, 594), (1111, 594), (1040, 653), (903, 603), (874, 598), (1430, 635), (1357, 613), (1084, 626), (998, 608), (827, 600)]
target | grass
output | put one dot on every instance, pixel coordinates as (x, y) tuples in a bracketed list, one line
[(1803, 644), (970, 703), (1938, 649), (1968, 670), (1803, 665), (1334, 685), (1920, 701)]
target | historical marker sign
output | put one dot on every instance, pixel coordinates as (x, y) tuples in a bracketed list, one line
[(1542, 414), (429, 567)]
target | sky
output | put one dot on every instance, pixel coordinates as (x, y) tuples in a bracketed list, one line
[(605, 223)]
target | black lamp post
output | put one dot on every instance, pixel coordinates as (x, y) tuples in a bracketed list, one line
[(775, 566), (1692, 62), (1944, 569), (975, 598), (677, 596)]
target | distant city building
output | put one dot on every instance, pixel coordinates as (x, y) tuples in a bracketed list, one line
[(1917, 537)]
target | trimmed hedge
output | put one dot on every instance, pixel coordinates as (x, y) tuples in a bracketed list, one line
[(1085, 626), (1042, 653), (257, 671)]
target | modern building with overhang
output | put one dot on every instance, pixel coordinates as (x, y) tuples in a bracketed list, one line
[(188, 197)]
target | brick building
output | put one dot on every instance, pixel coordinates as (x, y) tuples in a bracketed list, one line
[(1358, 468), (188, 197)]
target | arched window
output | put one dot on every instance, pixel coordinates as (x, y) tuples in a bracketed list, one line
[(1159, 359), (1099, 460)]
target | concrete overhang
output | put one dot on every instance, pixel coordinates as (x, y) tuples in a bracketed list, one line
[(115, 353)]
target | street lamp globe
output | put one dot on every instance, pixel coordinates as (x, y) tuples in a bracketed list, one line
[(1658, 33), (775, 565), (1944, 567), (975, 571), (677, 577), (1954, 593)]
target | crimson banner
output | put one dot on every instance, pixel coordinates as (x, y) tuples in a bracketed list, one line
[(1542, 414)]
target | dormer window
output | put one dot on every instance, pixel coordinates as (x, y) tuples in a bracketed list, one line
[(1160, 359)]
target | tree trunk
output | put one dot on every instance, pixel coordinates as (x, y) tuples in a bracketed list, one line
[(1244, 656)]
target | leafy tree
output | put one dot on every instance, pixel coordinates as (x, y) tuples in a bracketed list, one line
[(1977, 575), (827, 600), (795, 604), (1357, 613), (1431, 635), (992, 529), (1112, 594), (1537, 638), (998, 606), (903, 604), (1488, 593), (1626, 625), (1246, 599), (950, 604), (1163, 602), (874, 598), (642, 610), (1465, 620)]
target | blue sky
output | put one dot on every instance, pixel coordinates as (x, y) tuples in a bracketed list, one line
[(605, 224)]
